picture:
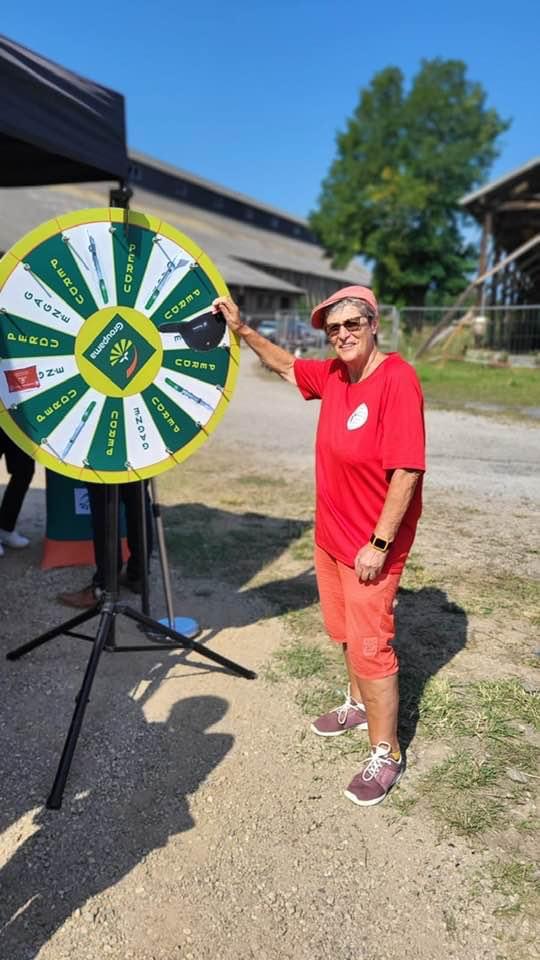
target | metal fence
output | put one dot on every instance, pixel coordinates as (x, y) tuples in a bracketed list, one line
[(512, 330), (293, 330)]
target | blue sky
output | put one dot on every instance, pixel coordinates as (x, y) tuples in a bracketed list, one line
[(251, 94)]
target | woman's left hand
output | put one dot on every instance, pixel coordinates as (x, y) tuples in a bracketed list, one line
[(369, 563)]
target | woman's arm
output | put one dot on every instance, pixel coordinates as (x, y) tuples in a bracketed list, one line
[(274, 357), (370, 561)]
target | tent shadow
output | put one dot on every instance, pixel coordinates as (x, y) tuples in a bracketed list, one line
[(133, 795)]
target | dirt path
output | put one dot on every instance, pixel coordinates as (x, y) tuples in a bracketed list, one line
[(200, 819)]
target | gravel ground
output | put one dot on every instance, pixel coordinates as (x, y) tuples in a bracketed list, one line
[(199, 818)]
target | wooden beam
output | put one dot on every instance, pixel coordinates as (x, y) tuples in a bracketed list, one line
[(511, 258), (518, 205), (487, 228)]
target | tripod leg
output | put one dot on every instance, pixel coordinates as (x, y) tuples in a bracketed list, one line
[(54, 800), (143, 547), (51, 634), (164, 631)]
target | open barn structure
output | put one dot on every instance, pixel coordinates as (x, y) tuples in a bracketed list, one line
[(508, 212), (501, 305)]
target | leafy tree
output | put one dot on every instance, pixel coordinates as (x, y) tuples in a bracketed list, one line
[(402, 163)]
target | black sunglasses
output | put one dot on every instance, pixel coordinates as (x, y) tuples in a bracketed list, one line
[(351, 326)]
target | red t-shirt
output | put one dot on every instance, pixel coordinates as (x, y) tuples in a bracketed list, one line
[(365, 431)]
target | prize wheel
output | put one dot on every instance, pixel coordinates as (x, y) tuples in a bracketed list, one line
[(113, 367)]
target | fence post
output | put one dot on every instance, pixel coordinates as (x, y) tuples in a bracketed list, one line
[(395, 328)]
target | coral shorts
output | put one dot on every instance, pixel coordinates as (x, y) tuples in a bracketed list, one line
[(359, 614)]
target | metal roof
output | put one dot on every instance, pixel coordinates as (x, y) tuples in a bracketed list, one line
[(137, 156), (526, 177), (240, 247)]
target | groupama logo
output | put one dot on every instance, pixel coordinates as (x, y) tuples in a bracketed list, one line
[(124, 352), (119, 351)]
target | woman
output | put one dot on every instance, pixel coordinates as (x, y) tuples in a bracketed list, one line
[(369, 465)]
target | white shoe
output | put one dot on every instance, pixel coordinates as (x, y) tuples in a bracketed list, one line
[(13, 539)]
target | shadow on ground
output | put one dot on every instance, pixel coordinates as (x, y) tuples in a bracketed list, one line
[(134, 778), (431, 630), (211, 544), (131, 779)]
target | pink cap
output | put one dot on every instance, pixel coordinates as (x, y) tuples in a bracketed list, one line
[(361, 293)]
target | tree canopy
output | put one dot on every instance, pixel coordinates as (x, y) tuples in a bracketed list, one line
[(402, 162)]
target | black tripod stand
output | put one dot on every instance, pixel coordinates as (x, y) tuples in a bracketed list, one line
[(107, 609)]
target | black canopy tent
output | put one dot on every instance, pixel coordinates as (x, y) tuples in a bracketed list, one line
[(56, 126)]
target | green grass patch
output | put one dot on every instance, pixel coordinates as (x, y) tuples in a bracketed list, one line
[(260, 480), (465, 814), (501, 594), (441, 709), (484, 723), (301, 660), (415, 575), (518, 881), (455, 384), (232, 546), (302, 549), (470, 790)]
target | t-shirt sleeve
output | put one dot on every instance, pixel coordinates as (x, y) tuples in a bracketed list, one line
[(311, 377), (404, 439)]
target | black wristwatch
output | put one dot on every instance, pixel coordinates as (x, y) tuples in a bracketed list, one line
[(380, 543)]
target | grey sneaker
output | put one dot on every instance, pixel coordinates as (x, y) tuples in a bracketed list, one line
[(380, 772), (349, 715)]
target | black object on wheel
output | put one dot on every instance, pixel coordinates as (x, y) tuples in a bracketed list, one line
[(203, 333)]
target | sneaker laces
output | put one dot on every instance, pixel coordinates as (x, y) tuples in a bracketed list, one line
[(380, 757), (349, 704)]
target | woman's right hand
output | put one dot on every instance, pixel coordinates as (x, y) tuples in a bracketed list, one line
[(230, 311)]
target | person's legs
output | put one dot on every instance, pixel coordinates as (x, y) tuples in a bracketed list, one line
[(88, 596), (130, 494), (97, 496), (21, 467), (373, 663)]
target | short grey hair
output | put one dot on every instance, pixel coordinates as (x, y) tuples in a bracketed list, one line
[(365, 308)]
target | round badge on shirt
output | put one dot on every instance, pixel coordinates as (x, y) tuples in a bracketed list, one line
[(358, 417)]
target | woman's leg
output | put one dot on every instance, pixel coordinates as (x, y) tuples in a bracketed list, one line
[(381, 702), (354, 682), (371, 660), (350, 714)]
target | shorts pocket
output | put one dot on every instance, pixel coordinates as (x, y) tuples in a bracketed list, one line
[(370, 646)]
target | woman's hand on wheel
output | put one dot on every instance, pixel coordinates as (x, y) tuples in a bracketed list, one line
[(230, 311), (369, 563)]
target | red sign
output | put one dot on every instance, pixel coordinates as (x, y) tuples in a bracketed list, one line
[(25, 378)]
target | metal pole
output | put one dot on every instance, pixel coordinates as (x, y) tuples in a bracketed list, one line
[(143, 547), (156, 510)]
